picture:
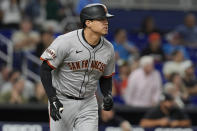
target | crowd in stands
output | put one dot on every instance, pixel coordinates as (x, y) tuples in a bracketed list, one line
[(33, 24), (163, 65), (15, 89), (166, 114), (142, 75)]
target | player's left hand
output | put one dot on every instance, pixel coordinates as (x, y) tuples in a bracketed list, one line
[(108, 103)]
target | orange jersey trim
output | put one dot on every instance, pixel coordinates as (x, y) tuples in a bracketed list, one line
[(42, 59), (47, 63), (109, 75)]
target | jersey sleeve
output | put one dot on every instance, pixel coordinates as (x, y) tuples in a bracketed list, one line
[(55, 53), (110, 67)]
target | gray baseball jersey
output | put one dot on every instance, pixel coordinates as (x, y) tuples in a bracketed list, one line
[(77, 65)]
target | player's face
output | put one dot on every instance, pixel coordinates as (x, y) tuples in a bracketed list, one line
[(99, 26)]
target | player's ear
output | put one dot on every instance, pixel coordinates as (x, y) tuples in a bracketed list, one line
[(88, 23)]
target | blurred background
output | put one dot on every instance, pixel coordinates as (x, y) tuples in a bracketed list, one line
[(156, 54)]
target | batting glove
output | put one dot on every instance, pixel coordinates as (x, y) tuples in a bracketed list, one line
[(56, 107), (108, 103)]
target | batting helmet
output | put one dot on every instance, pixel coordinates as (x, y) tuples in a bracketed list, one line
[(95, 11)]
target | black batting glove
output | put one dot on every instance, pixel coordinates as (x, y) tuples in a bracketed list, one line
[(56, 107), (108, 103)]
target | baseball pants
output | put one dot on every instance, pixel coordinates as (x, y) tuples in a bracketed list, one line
[(78, 115)]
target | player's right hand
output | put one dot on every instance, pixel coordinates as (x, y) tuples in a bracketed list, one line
[(56, 107)]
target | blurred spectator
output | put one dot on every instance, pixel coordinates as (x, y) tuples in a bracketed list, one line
[(15, 96), (54, 10), (46, 40), (177, 89), (52, 13), (67, 21), (13, 76), (148, 26), (25, 39), (121, 83), (144, 85), (174, 43), (124, 48), (83, 3), (189, 77), (40, 95), (134, 64), (154, 48), (124, 72), (109, 118), (11, 13), (188, 30), (4, 75), (172, 90), (35, 9), (166, 114), (174, 66), (70, 25)]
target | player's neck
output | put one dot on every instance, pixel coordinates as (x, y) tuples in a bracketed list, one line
[(91, 37)]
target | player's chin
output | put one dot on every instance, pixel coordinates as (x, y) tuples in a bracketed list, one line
[(105, 32)]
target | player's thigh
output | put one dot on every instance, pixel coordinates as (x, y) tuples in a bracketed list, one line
[(67, 116), (87, 124), (59, 125), (87, 127), (87, 119)]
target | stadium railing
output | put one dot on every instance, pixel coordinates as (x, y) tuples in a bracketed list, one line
[(7, 53)]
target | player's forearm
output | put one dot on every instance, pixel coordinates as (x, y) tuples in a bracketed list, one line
[(106, 86), (46, 78)]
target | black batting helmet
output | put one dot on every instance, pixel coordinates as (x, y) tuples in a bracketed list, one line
[(95, 11)]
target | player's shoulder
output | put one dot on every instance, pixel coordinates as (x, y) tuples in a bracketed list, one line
[(65, 39), (108, 44), (68, 36)]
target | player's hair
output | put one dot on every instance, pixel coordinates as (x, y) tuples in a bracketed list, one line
[(84, 24)]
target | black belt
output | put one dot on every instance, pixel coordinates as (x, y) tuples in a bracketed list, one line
[(74, 98)]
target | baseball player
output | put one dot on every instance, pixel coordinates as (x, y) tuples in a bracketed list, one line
[(72, 67)]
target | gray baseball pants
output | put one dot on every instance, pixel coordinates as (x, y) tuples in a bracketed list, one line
[(78, 115)]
